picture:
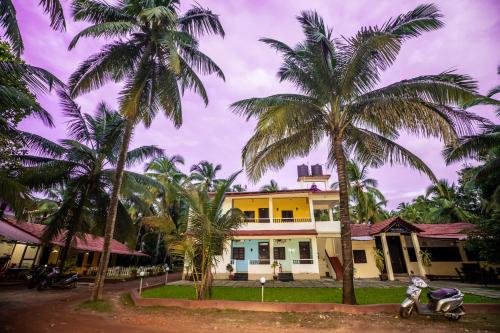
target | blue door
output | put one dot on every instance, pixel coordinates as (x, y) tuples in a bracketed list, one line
[(238, 255)]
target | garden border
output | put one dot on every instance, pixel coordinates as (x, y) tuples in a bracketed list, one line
[(287, 307)]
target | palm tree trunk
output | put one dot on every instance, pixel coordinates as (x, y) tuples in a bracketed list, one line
[(157, 248), (348, 296), (111, 217)]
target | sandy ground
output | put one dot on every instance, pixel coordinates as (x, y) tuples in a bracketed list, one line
[(23, 310)]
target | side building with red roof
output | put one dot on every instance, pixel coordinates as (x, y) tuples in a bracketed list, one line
[(21, 248)]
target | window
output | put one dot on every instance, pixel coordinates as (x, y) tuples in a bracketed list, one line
[(359, 256), (279, 253), (287, 214), (438, 254), (238, 253), (249, 215)]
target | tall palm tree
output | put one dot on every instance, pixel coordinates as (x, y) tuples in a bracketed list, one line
[(209, 231), (8, 21), (271, 187), (365, 196), (337, 100), (156, 55), (84, 166), (204, 173)]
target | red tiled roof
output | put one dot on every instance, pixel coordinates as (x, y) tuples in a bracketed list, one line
[(12, 233), (448, 231), (451, 230), (274, 232), (86, 242)]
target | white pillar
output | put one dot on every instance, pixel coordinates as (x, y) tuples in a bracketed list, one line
[(315, 256), (416, 246), (311, 211), (387, 257), (271, 210), (330, 214)]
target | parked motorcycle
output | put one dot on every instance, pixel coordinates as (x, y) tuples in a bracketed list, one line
[(54, 279), (446, 301), (35, 276)]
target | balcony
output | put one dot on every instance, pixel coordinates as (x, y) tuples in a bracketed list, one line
[(260, 266), (290, 224)]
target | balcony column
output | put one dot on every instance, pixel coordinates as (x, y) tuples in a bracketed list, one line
[(311, 211), (315, 254), (416, 247), (330, 214), (271, 210), (387, 257)]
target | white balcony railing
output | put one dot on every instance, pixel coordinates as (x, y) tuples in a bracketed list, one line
[(263, 266)]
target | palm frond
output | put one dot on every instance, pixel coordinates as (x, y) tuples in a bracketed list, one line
[(56, 14), (8, 21), (199, 21)]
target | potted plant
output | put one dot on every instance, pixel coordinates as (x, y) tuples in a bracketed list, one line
[(230, 269), (274, 265), (380, 263), (426, 258), (133, 273)]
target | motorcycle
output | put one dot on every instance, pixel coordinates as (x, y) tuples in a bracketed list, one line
[(54, 279), (35, 276), (446, 301)]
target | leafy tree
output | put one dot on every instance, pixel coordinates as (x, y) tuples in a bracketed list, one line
[(271, 187), (83, 166), (209, 229), (8, 21), (156, 55), (204, 174), (338, 101), (445, 207), (239, 188)]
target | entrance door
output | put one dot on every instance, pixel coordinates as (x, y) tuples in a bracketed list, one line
[(263, 215), (264, 253), (396, 252)]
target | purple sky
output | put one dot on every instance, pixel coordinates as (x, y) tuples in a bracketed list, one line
[(467, 43)]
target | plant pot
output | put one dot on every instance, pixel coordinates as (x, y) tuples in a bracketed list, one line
[(275, 277), (231, 277), (383, 277)]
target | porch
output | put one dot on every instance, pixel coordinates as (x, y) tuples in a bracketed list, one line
[(268, 257)]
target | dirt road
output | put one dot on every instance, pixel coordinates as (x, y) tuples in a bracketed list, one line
[(23, 310)]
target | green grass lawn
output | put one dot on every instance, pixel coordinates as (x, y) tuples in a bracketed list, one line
[(302, 295)]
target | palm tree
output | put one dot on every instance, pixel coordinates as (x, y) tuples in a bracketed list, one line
[(156, 55), (365, 196), (209, 230), (84, 167), (271, 187), (167, 208), (20, 83), (8, 21), (337, 100), (445, 207), (204, 174), (239, 188)]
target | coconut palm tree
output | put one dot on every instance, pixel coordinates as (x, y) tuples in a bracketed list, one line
[(8, 21), (210, 229), (271, 187), (445, 207), (365, 196), (204, 174), (337, 100), (84, 167), (156, 55)]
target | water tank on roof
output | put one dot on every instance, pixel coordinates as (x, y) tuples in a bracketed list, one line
[(303, 170), (317, 170)]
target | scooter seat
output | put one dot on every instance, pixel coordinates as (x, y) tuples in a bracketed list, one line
[(442, 293)]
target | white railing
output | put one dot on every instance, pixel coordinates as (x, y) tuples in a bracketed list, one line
[(125, 272), (292, 220)]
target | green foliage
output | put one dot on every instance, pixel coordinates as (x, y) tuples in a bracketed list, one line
[(204, 174), (271, 187), (209, 229), (426, 258), (379, 260)]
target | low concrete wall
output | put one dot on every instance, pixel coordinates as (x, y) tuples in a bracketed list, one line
[(288, 307)]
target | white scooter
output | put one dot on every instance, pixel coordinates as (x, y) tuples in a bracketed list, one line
[(447, 302)]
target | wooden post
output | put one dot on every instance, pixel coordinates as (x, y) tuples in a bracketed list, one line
[(416, 246), (387, 257), (271, 210)]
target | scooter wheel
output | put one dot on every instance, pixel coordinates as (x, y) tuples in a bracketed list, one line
[(405, 312), (457, 317)]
